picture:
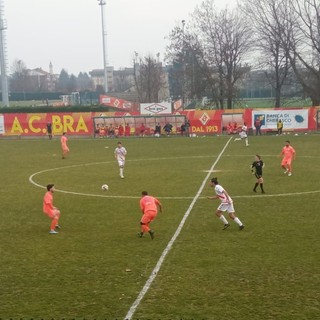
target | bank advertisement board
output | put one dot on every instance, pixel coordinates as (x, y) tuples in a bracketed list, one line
[(292, 119)]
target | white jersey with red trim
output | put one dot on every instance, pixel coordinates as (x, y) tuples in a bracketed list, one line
[(243, 132), (222, 194), (120, 153)]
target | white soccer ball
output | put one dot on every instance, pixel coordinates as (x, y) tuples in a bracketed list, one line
[(105, 187)]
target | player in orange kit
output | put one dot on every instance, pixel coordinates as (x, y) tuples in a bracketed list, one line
[(149, 206), (64, 146), (288, 154), (52, 212)]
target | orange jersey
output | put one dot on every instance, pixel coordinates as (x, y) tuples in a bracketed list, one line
[(48, 203), (149, 203), (64, 140), (64, 146), (288, 152)]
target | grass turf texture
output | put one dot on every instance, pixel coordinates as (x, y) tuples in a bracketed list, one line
[(270, 270), (239, 103)]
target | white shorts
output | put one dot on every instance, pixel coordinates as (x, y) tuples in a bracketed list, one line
[(121, 163), (242, 135), (226, 207)]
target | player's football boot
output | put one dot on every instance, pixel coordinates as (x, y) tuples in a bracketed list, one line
[(151, 234), (226, 226)]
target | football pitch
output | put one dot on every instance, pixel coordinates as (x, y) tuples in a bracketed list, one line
[(98, 268)]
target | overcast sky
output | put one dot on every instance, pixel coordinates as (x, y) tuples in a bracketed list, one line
[(69, 32)]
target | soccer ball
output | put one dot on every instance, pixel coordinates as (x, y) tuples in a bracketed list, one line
[(105, 187)]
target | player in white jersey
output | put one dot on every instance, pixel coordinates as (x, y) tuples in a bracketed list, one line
[(243, 134), (226, 205), (120, 154)]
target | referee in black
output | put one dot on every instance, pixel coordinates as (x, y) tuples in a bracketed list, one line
[(256, 169)]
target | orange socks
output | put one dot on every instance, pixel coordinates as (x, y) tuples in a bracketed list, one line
[(54, 223), (145, 228)]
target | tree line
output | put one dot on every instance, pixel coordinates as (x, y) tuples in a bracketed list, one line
[(215, 50), (31, 81)]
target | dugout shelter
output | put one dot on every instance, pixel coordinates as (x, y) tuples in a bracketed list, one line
[(139, 125)]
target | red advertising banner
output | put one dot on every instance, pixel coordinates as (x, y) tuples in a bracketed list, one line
[(177, 105), (118, 103), (312, 121), (202, 122), (35, 124)]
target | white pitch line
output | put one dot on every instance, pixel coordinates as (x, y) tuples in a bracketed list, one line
[(166, 198), (278, 195), (156, 269)]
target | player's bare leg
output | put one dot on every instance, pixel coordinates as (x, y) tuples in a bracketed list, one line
[(121, 168), (289, 169), (220, 215), (285, 167), (236, 220)]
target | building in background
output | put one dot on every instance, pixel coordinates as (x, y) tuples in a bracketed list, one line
[(97, 76), (123, 80), (41, 81)]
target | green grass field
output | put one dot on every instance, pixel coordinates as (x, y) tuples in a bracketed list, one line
[(239, 103), (270, 103), (96, 266)]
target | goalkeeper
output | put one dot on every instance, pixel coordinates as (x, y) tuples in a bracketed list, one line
[(256, 169)]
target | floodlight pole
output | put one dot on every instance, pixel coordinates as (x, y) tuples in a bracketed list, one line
[(3, 65), (102, 3), (183, 22)]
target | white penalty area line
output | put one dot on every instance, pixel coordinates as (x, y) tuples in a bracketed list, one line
[(156, 269)]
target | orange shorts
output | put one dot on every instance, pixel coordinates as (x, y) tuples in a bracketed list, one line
[(286, 161), (52, 213), (148, 216)]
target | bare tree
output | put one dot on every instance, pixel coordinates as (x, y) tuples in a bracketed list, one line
[(123, 79), (270, 31), (303, 17), (18, 80), (219, 41), (226, 39), (188, 77), (148, 77)]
